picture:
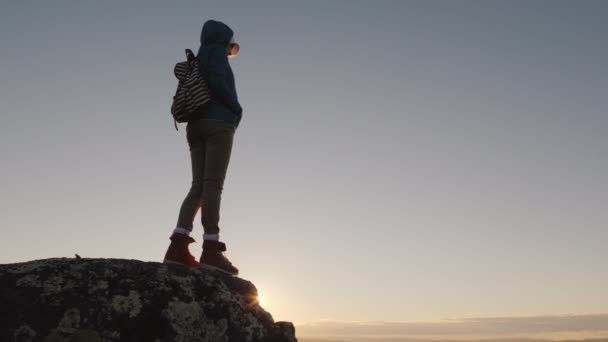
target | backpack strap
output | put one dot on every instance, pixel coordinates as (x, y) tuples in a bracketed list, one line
[(190, 55)]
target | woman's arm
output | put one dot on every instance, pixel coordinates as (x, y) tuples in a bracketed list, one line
[(217, 68)]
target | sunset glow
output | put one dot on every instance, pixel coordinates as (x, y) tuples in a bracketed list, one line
[(261, 299), (397, 163)]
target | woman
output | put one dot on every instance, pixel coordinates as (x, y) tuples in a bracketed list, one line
[(210, 139)]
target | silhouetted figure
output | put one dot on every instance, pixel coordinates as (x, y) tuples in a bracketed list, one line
[(210, 137)]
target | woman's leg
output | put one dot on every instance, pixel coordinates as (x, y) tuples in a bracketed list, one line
[(193, 201), (218, 148), (178, 252)]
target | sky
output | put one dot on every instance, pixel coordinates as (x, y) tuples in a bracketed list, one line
[(398, 162)]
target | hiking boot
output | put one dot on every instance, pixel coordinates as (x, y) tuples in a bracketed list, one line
[(213, 258), (178, 252)]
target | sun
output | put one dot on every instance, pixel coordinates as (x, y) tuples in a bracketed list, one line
[(261, 299)]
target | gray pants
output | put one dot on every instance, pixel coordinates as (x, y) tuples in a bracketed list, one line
[(210, 145)]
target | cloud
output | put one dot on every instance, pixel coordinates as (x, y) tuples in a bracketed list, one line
[(548, 327)]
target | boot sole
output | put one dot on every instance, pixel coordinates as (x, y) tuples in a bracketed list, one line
[(171, 262), (214, 268)]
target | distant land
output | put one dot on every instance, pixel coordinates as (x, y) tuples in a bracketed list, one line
[(300, 339)]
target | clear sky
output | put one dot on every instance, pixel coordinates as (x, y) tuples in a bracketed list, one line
[(397, 161)]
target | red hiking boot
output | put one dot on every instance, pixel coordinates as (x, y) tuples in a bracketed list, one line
[(178, 252), (212, 258)]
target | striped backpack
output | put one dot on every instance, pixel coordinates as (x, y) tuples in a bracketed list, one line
[(192, 94)]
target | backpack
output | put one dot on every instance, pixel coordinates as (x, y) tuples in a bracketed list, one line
[(192, 94)]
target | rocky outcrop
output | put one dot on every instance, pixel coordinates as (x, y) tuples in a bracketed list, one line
[(107, 300)]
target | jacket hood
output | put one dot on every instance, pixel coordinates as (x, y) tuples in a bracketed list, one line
[(216, 32)]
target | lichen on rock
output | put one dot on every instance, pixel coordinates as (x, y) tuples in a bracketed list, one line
[(130, 304)]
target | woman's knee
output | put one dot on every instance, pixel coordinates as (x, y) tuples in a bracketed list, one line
[(196, 189)]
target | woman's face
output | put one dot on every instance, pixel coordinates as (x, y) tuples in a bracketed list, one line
[(232, 50)]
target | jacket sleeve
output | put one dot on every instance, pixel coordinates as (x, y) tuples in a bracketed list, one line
[(217, 67)]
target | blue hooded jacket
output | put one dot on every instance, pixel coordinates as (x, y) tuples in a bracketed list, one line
[(224, 104)]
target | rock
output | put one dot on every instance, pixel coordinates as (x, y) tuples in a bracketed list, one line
[(107, 300)]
